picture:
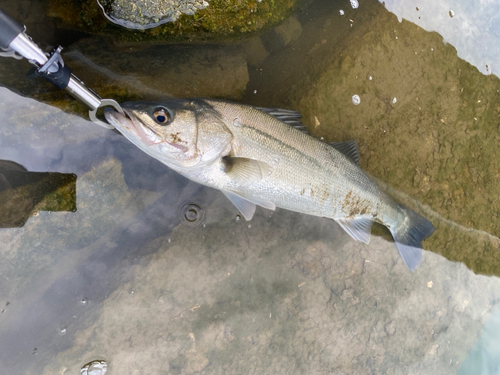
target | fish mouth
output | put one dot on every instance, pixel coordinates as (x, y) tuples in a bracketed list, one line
[(141, 130)]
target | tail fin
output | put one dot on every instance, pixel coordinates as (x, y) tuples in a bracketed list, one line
[(409, 235)]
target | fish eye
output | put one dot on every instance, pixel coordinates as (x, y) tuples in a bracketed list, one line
[(161, 116)]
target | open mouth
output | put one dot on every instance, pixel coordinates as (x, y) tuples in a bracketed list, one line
[(146, 133)]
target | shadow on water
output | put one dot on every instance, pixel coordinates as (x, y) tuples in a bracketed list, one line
[(121, 279)]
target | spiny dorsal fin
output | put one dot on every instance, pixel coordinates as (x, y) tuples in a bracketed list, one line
[(348, 148), (292, 118), (287, 116)]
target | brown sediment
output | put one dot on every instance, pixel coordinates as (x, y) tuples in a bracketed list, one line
[(438, 143)]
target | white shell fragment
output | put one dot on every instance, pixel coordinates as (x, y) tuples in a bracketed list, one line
[(94, 368), (341, 12), (354, 4), (356, 99), (394, 100)]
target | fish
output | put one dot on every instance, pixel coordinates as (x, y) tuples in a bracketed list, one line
[(264, 157)]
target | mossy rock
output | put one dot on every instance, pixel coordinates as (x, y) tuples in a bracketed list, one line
[(222, 20)]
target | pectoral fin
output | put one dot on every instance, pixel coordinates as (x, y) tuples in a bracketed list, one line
[(246, 205), (359, 229), (245, 171)]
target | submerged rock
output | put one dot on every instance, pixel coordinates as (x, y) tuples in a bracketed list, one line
[(160, 71), (255, 52), (23, 194), (134, 14), (281, 36)]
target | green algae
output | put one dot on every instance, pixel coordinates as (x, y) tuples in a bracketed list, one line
[(222, 20)]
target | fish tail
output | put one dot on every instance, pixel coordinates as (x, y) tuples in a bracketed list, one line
[(409, 235)]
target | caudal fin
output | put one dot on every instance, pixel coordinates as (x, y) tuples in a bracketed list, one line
[(409, 235)]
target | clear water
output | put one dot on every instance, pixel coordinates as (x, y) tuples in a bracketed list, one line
[(124, 280)]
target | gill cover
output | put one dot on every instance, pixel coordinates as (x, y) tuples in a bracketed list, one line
[(214, 138), (185, 133)]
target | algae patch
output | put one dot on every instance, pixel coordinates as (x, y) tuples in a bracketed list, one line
[(221, 20), (146, 15)]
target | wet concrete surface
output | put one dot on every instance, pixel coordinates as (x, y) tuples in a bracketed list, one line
[(123, 280)]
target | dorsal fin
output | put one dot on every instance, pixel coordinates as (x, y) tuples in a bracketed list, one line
[(292, 118), (287, 116), (348, 148)]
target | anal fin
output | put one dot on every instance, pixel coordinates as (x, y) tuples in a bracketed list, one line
[(359, 229)]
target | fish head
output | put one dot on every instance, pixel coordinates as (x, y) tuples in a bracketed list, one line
[(178, 132)]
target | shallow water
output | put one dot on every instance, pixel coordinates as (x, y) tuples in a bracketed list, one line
[(123, 279)]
